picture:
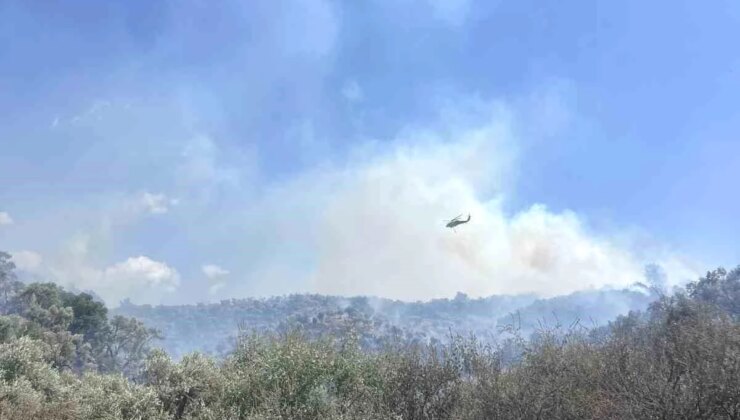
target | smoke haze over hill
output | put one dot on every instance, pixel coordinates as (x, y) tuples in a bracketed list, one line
[(296, 156), (373, 225)]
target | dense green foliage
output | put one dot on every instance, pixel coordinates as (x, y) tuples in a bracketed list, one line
[(74, 328), (60, 358)]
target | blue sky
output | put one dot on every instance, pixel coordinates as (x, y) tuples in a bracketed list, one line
[(183, 151)]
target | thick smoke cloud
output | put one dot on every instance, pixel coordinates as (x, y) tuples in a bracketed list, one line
[(369, 224), (375, 225)]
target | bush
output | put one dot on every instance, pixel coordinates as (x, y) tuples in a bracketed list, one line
[(678, 360)]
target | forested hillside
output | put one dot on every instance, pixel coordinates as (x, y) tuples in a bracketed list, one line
[(212, 328), (63, 357)]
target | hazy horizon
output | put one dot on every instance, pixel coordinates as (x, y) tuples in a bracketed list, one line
[(174, 153)]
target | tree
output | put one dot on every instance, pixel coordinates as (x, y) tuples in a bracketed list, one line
[(9, 285), (127, 344), (42, 303), (90, 318), (719, 288)]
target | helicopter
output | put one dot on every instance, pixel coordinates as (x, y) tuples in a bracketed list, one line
[(456, 221)]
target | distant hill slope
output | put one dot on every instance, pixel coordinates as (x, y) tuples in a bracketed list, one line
[(212, 328)]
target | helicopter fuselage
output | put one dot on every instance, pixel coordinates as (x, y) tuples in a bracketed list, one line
[(456, 222)]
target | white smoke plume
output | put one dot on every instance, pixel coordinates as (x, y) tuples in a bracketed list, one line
[(376, 226)]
